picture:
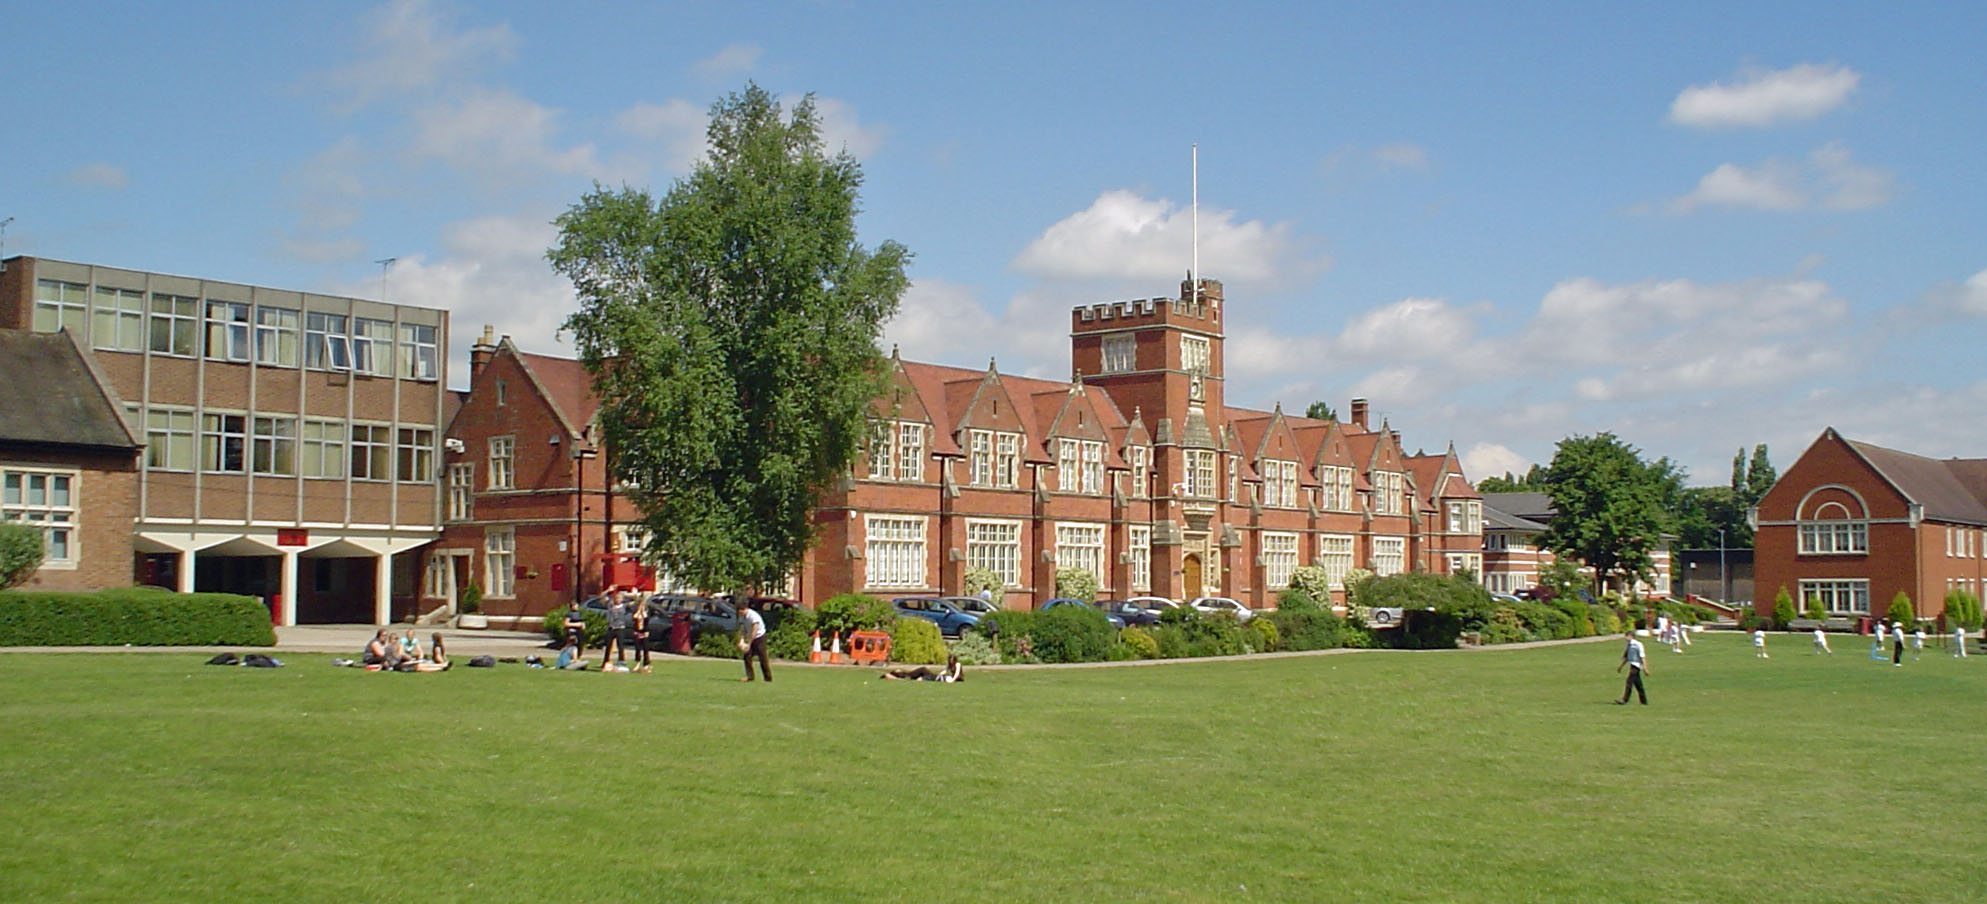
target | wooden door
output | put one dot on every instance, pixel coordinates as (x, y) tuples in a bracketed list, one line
[(1190, 575)]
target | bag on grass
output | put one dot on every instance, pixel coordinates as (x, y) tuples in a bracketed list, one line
[(224, 659), (259, 661), (483, 662)]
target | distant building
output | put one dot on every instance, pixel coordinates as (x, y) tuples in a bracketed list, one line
[(1853, 524), (1135, 470), (68, 461), (1513, 557), (289, 437)]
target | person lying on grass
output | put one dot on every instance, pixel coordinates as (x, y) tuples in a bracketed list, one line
[(953, 672), (437, 660)]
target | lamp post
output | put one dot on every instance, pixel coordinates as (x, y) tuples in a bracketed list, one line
[(1724, 583), (580, 455)]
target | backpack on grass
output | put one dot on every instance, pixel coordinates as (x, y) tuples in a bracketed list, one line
[(224, 659), (483, 662), (259, 661)]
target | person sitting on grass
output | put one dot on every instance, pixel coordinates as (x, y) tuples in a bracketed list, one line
[(381, 652), (437, 660), (410, 646), (954, 672)]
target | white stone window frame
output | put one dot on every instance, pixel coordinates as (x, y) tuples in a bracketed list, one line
[(1120, 353), (1389, 556), (1200, 474), (1138, 548), (500, 562), (1196, 354), (1839, 596), (502, 463), (20, 504), (1007, 460), (895, 551), (1279, 558), (1093, 468), (910, 451), (980, 461), (461, 491), (1080, 544), (995, 545), (1141, 469), (117, 319)]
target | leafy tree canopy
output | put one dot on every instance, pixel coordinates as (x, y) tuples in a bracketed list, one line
[(1532, 481), (1702, 511), (1321, 411), (730, 329), (1612, 507)]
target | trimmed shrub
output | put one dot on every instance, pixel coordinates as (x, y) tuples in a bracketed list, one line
[(973, 648), (1605, 620), (789, 633), (472, 599), (978, 579), (717, 645), (1815, 610), (1963, 609), (1296, 599), (1011, 630), (1138, 644), (1353, 578), (1900, 608), (916, 641), (1213, 635), (1076, 584), (554, 624), (1171, 640), (136, 616), (1504, 627), (1266, 635), (850, 612), (1313, 582), (1072, 634), (1306, 629), (21, 549), (1783, 608)]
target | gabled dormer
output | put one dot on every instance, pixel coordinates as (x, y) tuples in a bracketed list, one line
[(993, 430), (1077, 437), (903, 432)]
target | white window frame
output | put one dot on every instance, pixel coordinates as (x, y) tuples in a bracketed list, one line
[(882, 454), (372, 346), (1335, 556), (1839, 596), (1007, 460), (179, 317), (1080, 544), (1459, 562), (276, 331), (996, 547), (171, 439), (980, 444), (436, 585), (1093, 467), (1834, 538), (500, 562), (1196, 356), (418, 352), (370, 453), (461, 491), (322, 444), (273, 445), (910, 451), (414, 454), (1120, 353), (1389, 556), (1199, 474), (118, 319), (51, 508), (503, 462), (1279, 558), (1138, 549), (327, 346), (58, 304), (1069, 459), (1280, 483), (228, 331), (223, 442), (894, 551), (1141, 469)]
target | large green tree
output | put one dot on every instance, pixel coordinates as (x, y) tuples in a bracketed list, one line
[(1612, 508), (731, 332), (1702, 511)]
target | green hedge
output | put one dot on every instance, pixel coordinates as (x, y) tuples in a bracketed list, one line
[(554, 624), (135, 616), (916, 641)]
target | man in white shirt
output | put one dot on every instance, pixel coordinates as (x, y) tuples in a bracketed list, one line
[(752, 640), (1959, 641), (1821, 642), (1634, 659)]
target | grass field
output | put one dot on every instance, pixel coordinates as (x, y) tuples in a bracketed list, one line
[(1500, 775)]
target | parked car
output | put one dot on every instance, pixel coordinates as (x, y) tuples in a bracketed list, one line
[(1157, 604), (1214, 604), (1505, 598), (973, 605), (1132, 614), (1115, 621), (949, 619), (706, 614)]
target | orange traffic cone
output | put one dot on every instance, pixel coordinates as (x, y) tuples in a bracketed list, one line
[(835, 654), (816, 655)]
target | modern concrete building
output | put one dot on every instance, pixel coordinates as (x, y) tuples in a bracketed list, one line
[(290, 437)]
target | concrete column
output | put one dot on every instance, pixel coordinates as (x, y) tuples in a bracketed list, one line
[(186, 559), (288, 615), (383, 589)]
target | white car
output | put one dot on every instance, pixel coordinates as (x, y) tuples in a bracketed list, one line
[(1214, 604), (1153, 604)]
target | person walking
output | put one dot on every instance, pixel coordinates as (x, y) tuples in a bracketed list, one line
[(752, 640), (1759, 643), (1959, 641), (1636, 661), (1897, 644), (1918, 644), (1821, 642), (1877, 645), (639, 635)]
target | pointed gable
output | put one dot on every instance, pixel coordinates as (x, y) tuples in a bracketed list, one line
[(562, 383), (985, 403), (902, 401)]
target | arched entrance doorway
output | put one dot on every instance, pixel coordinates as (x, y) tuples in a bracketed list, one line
[(1190, 580)]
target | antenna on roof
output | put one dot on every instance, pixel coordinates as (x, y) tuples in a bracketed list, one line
[(385, 264)]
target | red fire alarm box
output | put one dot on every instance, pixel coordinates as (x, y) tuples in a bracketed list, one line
[(292, 536), (558, 576)]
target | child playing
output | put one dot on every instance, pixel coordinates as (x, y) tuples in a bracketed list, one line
[(1759, 643), (1821, 642)]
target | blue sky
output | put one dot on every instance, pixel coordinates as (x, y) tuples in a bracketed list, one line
[(1698, 227)]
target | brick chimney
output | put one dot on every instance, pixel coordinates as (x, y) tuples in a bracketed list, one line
[(1358, 416), (481, 353)]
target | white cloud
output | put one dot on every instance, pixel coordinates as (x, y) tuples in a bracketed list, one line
[(732, 60), (1487, 459), (329, 191), (1404, 155), (677, 125), (1763, 97), (98, 175), (942, 323), (1829, 178), (491, 270), (411, 48), (841, 128), (1409, 328), (498, 133), (1125, 236)]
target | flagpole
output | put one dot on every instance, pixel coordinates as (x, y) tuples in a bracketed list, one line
[(1194, 276)]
